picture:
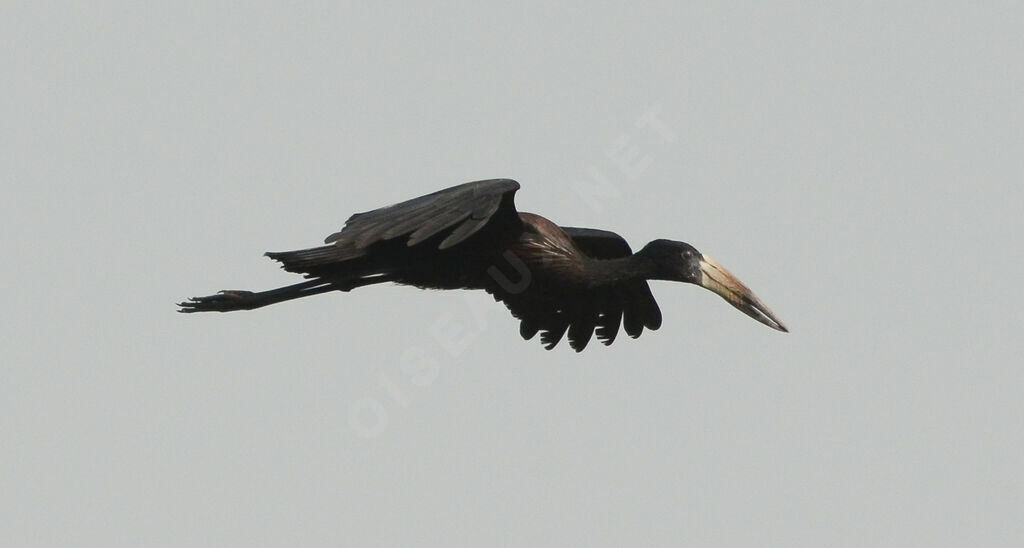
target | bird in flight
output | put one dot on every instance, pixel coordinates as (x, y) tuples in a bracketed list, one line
[(555, 280)]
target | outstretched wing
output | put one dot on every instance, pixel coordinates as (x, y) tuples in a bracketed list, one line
[(465, 208), (629, 305), (455, 213)]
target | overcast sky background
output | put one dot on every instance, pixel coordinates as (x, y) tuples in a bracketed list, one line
[(859, 167)]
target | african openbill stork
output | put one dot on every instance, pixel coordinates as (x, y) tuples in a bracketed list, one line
[(553, 279)]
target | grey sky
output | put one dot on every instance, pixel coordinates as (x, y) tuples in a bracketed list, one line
[(859, 167)]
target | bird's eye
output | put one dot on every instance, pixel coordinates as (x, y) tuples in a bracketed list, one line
[(687, 254)]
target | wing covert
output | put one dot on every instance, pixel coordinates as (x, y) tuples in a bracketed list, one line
[(599, 244)]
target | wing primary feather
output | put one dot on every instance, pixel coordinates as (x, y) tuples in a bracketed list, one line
[(580, 332), (553, 333), (608, 326), (527, 329), (465, 230), (436, 225), (632, 323), (651, 311)]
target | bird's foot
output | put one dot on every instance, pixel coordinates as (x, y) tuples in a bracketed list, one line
[(223, 301)]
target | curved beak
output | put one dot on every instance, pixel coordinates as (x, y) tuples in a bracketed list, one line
[(716, 278)]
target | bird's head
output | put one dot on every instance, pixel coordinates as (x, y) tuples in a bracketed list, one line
[(681, 262)]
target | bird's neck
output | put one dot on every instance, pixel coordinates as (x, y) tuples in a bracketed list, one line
[(605, 272)]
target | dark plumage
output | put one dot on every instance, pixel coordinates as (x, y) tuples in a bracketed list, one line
[(555, 280)]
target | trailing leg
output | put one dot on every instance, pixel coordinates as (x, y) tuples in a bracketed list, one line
[(231, 300)]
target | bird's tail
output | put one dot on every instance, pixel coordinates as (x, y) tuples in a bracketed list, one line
[(231, 300), (308, 260)]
